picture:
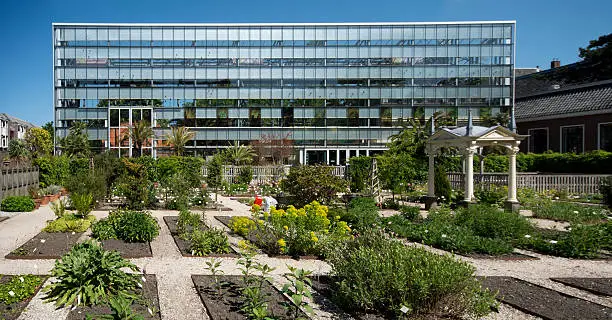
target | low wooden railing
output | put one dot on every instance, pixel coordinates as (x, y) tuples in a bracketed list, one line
[(266, 174), (15, 181)]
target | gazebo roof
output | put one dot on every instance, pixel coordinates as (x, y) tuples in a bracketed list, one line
[(474, 134)]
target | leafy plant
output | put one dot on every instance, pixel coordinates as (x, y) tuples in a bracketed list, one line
[(69, 223), (491, 195), (564, 211), (442, 185), (19, 288), (82, 203), (213, 266), (411, 213), (136, 226), (313, 183), (121, 308), (362, 213), (374, 273), (17, 204), (59, 207), (298, 292), (245, 175), (204, 242), (605, 189), (491, 222), (84, 274), (188, 222), (255, 304), (104, 230)]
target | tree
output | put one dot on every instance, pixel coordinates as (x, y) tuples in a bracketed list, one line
[(178, 138), (313, 183), (39, 142), (49, 128), (140, 134), (499, 119), (18, 150), (598, 54), (239, 155), (76, 143), (274, 148)]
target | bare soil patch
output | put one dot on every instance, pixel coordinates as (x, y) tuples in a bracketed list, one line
[(599, 286), (46, 245), (128, 250)]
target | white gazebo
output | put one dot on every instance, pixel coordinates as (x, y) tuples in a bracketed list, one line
[(469, 140)]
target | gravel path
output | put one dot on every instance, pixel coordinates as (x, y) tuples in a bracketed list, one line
[(178, 297)]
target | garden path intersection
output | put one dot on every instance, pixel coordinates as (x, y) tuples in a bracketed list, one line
[(178, 297)]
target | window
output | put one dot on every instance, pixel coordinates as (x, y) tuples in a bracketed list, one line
[(572, 139), (605, 136), (538, 140)]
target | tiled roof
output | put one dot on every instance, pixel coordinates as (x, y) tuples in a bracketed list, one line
[(595, 96), (9, 118)]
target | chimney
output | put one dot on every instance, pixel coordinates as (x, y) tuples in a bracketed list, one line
[(555, 63)]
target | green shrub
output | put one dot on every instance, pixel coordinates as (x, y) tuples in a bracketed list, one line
[(492, 195), (103, 230), (410, 213), (188, 222), (52, 170), (374, 273), (565, 211), (17, 204), (442, 185), (605, 189), (390, 203), (313, 183), (82, 203), (85, 274), (205, 242), (178, 190), (582, 241), (245, 175), (359, 173), (21, 286), (491, 222), (86, 181), (69, 223), (136, 226), (362, 213), (241, 225)]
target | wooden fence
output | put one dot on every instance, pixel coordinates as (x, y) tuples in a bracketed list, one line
[(15, 181), (572, 183), (265, 174)]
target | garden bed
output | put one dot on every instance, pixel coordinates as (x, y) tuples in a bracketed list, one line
[(323, 286), (514, 256), (599, 286), (227, 305), (544, 302), (183, 245), (148, 292), (46, 245), (13, 311), (225, 220), (128, 250)]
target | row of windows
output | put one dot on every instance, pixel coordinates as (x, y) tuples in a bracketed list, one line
[(285, 62), (283, 43), (294, 83), (572, 138), (243, 103)]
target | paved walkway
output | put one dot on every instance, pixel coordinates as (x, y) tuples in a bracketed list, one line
[(178, 297)]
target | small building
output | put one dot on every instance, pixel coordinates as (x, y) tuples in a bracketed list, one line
[(563, 114), (12, 128)]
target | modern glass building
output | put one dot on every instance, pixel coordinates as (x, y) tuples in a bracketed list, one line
[(329, 91)]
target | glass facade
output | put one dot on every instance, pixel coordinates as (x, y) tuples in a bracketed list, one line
[(333, 89)]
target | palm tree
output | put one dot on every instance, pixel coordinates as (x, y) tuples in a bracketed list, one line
[(140, 133), (239, 155), (178, 138)]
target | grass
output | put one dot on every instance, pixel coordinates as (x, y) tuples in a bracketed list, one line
[(569, 212)]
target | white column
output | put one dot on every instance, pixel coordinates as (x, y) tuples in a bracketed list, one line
[(327, 157), (431, 188), (512, 174), (337, 157), (469, 173), (302, 157)]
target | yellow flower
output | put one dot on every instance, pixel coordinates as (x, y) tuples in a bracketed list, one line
[(313, 237), (255, 208), (337, 218), (282, 245), (286, 228)]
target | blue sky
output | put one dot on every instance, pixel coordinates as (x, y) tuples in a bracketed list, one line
[(546, 29)]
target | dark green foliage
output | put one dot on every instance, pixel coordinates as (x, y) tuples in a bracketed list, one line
[(442, 185), (53, 170), (491, 195), (188, 222), (411, 213), (245, 175), (84, 274), (490, 222), (103, 230), (17, 204), (377, 274), (135, 185), (398, 172), (390, 203), (582, 241), (136, 226), (85, 181), (313, 183), (178, 191), (362, 213), (204, 242), (22, 287), (605, 189), (76, 143), (189, 167), (359, 173), (214, 167)]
